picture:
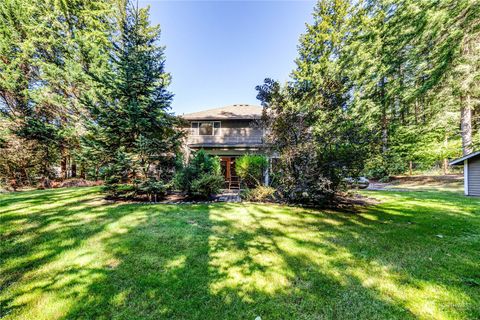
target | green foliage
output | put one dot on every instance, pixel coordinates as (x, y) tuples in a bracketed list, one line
[(318, 143), (129, 113), (201, 177), (402, 60), (311, 126), (120, 191), (152, 188), (81, 79), (261, 194), (398, 74), (119, 185), (117, 176), (250, 168), (206, 185), (46, 46), (19, 162), (383, 166)]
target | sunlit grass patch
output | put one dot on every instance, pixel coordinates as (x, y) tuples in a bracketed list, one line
[(69, 254)]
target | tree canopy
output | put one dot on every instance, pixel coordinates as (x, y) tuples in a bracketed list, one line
[(403, 73)]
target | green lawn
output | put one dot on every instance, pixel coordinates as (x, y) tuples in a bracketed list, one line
[(66, 253)]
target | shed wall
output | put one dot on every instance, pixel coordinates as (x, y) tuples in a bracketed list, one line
[(474, 176)]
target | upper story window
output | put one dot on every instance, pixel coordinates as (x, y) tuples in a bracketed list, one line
[(205, 128)]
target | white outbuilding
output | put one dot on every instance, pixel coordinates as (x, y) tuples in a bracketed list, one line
[(471, 172)]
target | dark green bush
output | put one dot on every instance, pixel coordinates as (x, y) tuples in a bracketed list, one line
[(202, 177), (206, 185), (121, 183), (116, 176), (152, 188), (120, 191)]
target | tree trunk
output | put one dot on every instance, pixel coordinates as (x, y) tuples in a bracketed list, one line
[(384, 132), (82, 172), (466, 124), (445, 166), (416, 111), (410, 167), (445, 160), (63, 167), (74, 169), (384, 120), (27, 176)]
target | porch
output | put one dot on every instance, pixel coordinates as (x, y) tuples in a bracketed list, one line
[(232, 181)]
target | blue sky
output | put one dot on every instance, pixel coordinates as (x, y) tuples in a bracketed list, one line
[(218, 51)]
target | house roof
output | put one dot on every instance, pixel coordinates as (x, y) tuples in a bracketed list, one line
[(232, 112), (459, 161)]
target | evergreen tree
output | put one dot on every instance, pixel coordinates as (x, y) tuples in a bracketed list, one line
[(402, 55), (311, 124), (404, 70), (130, 117), (44, 46)]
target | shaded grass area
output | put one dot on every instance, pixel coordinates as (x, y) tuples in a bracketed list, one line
[(67, 254)]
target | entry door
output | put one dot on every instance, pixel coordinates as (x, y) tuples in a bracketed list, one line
[(226, 163)]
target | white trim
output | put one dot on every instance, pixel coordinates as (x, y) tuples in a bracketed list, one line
[(465, 176)]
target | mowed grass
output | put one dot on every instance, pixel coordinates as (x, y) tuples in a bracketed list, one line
[(67, 254)]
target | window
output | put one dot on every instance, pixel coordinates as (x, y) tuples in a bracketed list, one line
[(205, 128), (194, 129)]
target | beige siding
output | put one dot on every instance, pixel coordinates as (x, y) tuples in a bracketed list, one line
[(231, 132), (474, 176)]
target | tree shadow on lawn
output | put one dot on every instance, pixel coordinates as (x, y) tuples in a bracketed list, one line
[(201, 264), (40, 234), (431, 242), (34, 237), (11, 204), (231, 261)]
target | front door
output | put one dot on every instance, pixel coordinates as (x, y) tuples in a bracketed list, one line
[(226, 163)]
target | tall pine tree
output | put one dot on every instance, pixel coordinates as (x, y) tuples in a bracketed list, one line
[(131, 124)]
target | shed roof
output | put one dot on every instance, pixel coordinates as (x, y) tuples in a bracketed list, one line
[(459, 161), (235, 111)]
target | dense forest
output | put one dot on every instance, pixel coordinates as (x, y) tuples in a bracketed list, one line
[(83, 93), (393, 84), (380, 87)]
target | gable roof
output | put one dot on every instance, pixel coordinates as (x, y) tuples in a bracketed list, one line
[(232, 112), (459, 161)]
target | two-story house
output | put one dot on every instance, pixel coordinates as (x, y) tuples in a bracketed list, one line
[(227, 132)]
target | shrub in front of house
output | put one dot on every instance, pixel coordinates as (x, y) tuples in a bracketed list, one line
[(250, 168), (206, 185), (152, 188), (202, 177)]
